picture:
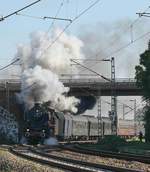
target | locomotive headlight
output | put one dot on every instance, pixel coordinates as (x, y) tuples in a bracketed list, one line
[(43, 131), (28, 129)]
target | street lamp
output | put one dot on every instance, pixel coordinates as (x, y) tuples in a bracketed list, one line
[(134, 100)]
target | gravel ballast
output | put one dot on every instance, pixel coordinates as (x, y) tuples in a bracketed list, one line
[(11, 163)]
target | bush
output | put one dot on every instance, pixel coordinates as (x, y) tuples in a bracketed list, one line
[(113, 142)]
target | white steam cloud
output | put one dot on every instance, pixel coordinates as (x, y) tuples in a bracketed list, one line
[(42, 66), (106, 40)]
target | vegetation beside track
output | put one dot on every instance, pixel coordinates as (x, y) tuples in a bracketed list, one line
[(117, 144), (11, 163), (136, 147)]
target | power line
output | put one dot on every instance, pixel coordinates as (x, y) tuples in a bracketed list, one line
[(84, 11), (130, 28), (123, 47), (44, 17), (107, 79), (128, 44), (67, 26), (59, 9), (15, 12), (9, 64), (119, 103), (132, 109)]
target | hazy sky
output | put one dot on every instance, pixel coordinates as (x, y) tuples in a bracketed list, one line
[(16, 29)]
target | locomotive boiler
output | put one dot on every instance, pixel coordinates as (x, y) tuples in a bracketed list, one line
[(39, 123)]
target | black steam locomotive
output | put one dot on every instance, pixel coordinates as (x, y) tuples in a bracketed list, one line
[(39, 123)]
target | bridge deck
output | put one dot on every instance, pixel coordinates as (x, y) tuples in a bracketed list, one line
[(86, 86)]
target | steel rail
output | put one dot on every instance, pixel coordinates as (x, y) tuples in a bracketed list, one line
[(84, 163), (54, 162), (123, 156)]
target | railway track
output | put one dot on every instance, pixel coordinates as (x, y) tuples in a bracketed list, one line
[(123, 156), (42, 158), (45, 155)]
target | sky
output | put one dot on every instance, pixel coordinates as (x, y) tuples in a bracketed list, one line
[(104, 16), (16, 29)]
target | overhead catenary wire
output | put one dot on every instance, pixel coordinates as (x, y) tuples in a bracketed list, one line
[(84, 11), (132, 109), (121, 48), (132, 40), (15, 12), (58, 11), (98, 74), (10, 64), (129, 28), (68, 25), (44, 17)]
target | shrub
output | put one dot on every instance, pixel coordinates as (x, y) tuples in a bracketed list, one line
[(113, 142)]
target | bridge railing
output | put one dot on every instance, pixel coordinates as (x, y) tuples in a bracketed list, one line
[(97, 80), (74, 80)]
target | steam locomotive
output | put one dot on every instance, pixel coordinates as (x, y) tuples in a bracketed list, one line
[(42, 122), (39, 124)]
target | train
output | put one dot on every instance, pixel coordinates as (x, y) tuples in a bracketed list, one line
[(39, 123), (42, 123)]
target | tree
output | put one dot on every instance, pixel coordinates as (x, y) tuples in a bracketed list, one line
[(142, 77)]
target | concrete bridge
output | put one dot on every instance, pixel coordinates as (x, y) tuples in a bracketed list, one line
[(78, 87), (84, 86)]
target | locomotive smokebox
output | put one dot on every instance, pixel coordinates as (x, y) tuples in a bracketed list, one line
[(37, 104)]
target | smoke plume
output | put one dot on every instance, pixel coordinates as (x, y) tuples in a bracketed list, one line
[(104, 40), (86, 103), (41, 68)]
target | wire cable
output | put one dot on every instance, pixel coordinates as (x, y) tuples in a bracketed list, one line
[(15, 12), (132, 109), (12, 63), (128, 44), (68, 25), (44, 17), (58, 11), (83, 12), (121, 48), (107, 79)]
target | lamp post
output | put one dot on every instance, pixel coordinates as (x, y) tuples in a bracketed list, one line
[(134, 100)]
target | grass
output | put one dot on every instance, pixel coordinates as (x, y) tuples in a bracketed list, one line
[(117, 145), (136, 147)]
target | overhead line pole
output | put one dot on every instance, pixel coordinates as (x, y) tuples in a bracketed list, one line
[(113, 99)]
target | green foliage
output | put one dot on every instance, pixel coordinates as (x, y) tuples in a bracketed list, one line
[(142, 77), (113, 142), (147, 124)]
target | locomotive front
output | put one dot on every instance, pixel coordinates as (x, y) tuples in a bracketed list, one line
[(39, 124)]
